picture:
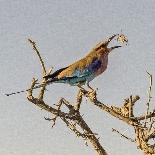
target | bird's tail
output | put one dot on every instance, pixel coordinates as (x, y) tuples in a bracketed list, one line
[(36, 87)]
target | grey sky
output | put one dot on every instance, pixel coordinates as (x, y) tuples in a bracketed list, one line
[(65, 30)]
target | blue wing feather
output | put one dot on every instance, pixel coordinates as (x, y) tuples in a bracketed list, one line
[(88, 70), (79, 75)]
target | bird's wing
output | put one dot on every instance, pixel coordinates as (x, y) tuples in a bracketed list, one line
[(79, 69), (55, 74)]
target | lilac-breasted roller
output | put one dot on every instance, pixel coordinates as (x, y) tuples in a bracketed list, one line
[(86, 69)]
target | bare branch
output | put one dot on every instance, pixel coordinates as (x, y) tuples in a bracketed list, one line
[(149, 96), (75, 122), (122, 135), (131, 107), (72, 119), (151, 125), (40, 103), (125, 113), (79, 99), (40, 58), (111, 110), (150, 115)]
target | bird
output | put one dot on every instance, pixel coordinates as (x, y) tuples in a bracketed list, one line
[(86, 69)]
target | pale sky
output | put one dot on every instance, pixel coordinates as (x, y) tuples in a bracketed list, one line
[(65, 30)]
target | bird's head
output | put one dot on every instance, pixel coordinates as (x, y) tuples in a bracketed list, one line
[(120, 39)]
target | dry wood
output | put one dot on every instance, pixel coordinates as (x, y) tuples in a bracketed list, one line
[(144, 132)]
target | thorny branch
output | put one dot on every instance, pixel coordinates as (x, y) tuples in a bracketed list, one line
[(149, 96), (143, 133), (125, 113), (122, 135), (72, 118), (76, 123), (40, 59)]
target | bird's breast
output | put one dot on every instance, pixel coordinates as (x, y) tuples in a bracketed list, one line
[(104, 63)]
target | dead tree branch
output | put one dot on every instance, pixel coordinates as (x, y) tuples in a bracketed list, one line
[(72, 118), (125, 113), (40, 58), (122, 135), (75, 122)]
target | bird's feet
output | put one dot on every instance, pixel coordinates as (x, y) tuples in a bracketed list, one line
[(80, 87), (90, 88), (92, 95)]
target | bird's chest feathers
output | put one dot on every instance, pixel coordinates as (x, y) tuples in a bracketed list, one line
[(104, 62)]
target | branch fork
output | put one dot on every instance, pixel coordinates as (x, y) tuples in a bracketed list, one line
[(73, 119), (75, 122)]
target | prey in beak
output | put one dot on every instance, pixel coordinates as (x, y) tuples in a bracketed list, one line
[(121, 38)]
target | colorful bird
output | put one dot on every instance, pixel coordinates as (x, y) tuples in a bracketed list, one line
[(85, 70)]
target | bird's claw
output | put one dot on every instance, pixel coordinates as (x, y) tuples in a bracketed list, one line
[(92, 95)]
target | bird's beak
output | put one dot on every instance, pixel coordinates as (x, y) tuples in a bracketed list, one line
[(106, 43), (111, 48), (110, 39)]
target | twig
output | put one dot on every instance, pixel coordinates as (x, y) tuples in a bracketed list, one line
[(111, 111), (79, 99), (74, 129), (150, 87), (142, 117), (44, 72), (76, 123), (40, 58), (72, 116), (122, 135), (130, 107), (59, 106), (151, 125), (149, 95), (40, 103)]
